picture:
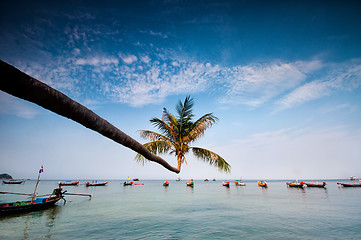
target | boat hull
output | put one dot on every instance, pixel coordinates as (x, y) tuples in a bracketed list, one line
[(295, 184), (27, 206), (69, 184), (262, 184), (13, 182), (239, 184), (349, 184), (96, 184), (316, 185)]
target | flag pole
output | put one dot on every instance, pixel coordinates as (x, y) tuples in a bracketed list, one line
[(37, 183)]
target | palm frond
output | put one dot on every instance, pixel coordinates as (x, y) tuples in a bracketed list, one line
[(153, 136), (155, 147), (185, 109), (185, 115), (212, 158), (199, 127), (165, 126)]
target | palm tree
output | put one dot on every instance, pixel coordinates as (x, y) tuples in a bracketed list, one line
[(19, 84), (178, 132)]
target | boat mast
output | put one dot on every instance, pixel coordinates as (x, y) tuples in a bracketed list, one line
[(37, 183)]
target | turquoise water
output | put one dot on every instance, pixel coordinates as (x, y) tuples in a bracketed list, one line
[(207, 211)]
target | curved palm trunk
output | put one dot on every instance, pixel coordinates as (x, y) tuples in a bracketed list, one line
[(19, 84), (179, 158)]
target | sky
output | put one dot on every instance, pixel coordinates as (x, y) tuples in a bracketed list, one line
[(283, 77)]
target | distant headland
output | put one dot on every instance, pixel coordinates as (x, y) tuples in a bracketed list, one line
[(5, 176)]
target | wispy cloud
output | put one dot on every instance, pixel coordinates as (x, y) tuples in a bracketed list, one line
[(309, 91), (156, 34), (346, 76), (96, 61), (128, 58), (153, 83), (256, 84)]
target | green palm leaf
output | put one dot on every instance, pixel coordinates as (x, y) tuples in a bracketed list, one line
[(155, 147), (153, 136), (200, 126), (185, 110), (212, 158)]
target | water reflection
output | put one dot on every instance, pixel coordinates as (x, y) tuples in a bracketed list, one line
[(190, 189), (51, 216), (26, 229), (318, 190), (228, 191), (34, 218), (299, 190)]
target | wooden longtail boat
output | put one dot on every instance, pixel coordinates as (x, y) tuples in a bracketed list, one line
[(11, 181), (225, 184), (262, 184), (32, 205), (69, 183), (95, 184), (190, 183), (36, 202), (239, 183), (295, 184), (319, 185), (128, 183), (350, 184)]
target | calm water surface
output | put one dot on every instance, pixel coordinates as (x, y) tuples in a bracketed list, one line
[(207, 211)]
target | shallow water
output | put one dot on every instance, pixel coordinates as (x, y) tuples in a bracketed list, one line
[(207, 211)]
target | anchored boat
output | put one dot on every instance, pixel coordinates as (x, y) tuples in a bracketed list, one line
[(295, 184), (349, 184), (76, 183), (13, 181), (225, 184), (96, 184), (262, 184), (319, 185)]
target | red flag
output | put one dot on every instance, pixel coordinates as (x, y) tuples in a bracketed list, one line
[(41, 169)]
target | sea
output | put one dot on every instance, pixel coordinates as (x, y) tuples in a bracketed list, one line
[(206, 211)]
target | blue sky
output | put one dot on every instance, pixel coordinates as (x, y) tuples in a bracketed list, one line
[(283, 77)]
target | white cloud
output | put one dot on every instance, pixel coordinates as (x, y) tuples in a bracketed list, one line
[(345, 76), (156, 34), (145, 59), (96, 61), (256, 84), (152, 83), (128, 59), (175, 63), (305, 93)]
